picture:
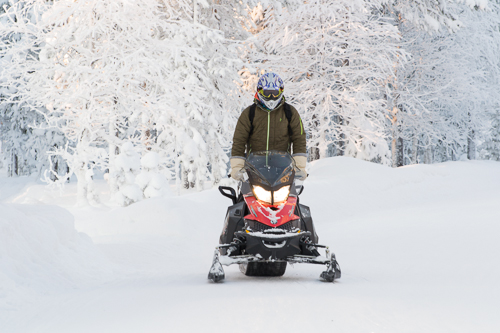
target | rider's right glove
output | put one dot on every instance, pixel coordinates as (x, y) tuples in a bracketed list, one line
[(237, 164)]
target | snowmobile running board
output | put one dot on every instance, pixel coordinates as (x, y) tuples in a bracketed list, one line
[(332, 272)]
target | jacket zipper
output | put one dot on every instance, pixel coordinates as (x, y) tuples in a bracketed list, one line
[(268, 126)]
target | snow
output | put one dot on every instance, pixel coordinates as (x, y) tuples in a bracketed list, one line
[(41, 250), (417, 246), (151, 182), (151, 160), (127, 164)]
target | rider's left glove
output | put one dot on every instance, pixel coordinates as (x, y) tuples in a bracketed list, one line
[(300, 162), (237, 164)]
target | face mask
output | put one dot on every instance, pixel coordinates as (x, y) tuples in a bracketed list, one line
[(271, 105)]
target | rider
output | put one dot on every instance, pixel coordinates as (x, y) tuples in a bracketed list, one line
[(268, 124)]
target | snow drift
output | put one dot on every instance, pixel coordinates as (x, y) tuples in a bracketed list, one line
[(40, 251)]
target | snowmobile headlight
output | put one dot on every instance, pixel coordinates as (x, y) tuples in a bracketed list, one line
[(282, 194), (262, 194)]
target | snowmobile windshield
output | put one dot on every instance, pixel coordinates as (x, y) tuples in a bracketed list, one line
[(270, 169)]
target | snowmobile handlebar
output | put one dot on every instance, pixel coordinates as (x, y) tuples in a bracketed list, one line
[(232, 196)]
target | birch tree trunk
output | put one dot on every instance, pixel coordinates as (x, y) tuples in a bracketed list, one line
[(393, 151), (400, 152), (395, 135), (471, 146), (414, 149), (428, 152)]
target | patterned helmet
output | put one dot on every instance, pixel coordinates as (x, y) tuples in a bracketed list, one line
[(270, 90)]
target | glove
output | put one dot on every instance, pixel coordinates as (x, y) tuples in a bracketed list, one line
[(236, 165), (300, 162)]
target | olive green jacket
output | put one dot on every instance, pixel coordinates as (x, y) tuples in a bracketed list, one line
[(270, 132)]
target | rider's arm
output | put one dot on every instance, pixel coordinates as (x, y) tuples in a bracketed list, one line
[(299, 135), (241, 133), (299, 142), (240, 139)]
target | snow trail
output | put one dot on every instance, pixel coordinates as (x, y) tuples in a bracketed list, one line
[(417, 246)]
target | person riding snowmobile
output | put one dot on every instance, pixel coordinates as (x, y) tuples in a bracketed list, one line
[(266, 227), (268, 124)]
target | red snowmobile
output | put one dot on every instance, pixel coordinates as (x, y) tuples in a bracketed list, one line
[(266, 227)]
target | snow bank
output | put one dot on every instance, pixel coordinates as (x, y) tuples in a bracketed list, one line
[(352, 186), (40, 252)]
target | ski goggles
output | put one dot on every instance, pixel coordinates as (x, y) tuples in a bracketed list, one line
[(270, 94)]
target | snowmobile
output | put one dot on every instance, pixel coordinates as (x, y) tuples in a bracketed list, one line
[(266, 227)]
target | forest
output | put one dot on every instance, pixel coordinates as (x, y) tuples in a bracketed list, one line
[(146, 93)]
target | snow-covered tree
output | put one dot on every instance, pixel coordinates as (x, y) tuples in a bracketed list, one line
[(151, 182), (193, 134), (127, 166), (80, 80), (429, 15), (444, 93), (107, 72), (334, 58), (24, 134), (490, 149)]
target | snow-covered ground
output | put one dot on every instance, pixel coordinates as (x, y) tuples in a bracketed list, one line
[(417, 245)]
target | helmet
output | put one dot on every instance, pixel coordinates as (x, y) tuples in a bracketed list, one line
[(270, 90)]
